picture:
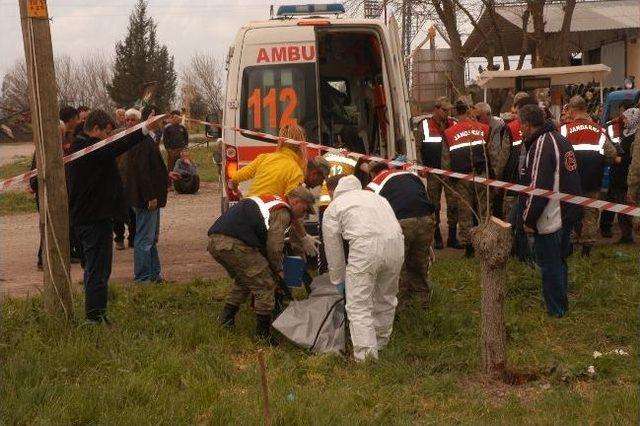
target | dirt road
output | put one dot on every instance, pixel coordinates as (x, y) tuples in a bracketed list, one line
[(183, 240), (12, 151)]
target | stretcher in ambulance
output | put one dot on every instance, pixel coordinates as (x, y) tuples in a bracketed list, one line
[(342, 80)]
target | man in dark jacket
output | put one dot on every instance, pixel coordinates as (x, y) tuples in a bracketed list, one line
[(94, 185), (550, 164), (175, 138), (408, 198), (146, 192)]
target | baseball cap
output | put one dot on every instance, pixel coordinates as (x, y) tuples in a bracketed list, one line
[(303, 194), (444, 103), (322, 164)]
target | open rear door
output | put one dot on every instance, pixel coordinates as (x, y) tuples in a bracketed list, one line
[(398, 84)]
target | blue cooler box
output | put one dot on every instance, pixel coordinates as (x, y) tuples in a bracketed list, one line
[(293, 267)]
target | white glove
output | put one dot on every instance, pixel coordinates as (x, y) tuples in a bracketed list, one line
[(310, 245)]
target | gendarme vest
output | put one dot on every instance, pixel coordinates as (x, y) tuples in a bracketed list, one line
[(466, 141), (248, 220), (431, 146), (587, 139)]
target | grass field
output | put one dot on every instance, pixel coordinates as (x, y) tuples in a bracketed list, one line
[(166, 361)]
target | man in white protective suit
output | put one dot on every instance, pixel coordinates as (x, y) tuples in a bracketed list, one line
[(376, 253)]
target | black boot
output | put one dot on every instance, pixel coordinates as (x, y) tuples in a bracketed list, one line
[(437, 239), (586, 251), (263, 330), (228, 316), (452, 241), (468, 250)]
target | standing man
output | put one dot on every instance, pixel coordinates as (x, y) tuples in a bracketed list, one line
[(463, 151), (593, 151), (617, 174), (120, 116), (376, 253), (550, 164), (94, 186), (146, 193), (128, 216), (175, 138), (248, 241), (497, 129), (432, 130), (408, 198)]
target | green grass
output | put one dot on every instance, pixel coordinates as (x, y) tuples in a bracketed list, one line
[(13, 202), (14, 168), (167, 362)]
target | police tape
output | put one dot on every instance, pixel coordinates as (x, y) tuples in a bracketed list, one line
[(23, 178), (560, 196)]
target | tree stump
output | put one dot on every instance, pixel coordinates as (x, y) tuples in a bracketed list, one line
[(492, 244)]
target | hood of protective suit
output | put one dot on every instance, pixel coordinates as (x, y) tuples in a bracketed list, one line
[(346, 184)]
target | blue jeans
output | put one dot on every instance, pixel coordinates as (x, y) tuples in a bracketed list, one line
[(146, 262), (95, 239), (551, 252)]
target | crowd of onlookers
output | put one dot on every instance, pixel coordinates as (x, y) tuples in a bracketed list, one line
[(120, 187)]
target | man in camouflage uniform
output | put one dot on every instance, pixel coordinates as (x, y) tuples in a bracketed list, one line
[(248, 241), (463, 151), (430, 132), (408, 198), (593, 151)]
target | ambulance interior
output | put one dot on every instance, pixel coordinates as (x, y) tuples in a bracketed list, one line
[(353, 107)]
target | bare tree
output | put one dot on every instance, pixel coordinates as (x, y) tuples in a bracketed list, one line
[(15, 90), (79, 82), (202, 80)]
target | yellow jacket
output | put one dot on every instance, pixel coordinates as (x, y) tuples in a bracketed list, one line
[(276, 173)]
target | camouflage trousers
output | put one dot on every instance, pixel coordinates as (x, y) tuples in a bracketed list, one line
[(434, 190), (250, 272), (418, 235), (587, 228), (468, 191)]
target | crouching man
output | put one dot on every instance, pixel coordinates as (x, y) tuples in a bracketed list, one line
[(248, 241), (408, 198), (376, 252)]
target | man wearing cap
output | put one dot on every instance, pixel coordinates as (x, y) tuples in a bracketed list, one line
[(279, 172), (248, 241), (593, 151), (463, 151), (406, 194), (430, 133)]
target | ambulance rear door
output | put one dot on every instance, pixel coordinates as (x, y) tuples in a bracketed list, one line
[(400, 93), (277, 85)]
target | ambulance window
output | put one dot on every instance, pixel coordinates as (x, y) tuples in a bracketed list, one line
[(274, 96)]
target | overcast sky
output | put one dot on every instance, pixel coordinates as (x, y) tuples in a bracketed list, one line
[(80, 27)]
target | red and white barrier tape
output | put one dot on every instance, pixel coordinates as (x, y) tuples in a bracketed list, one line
[(567, 198), (23, 178)]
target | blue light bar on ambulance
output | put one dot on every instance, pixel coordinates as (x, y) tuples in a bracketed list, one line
[(311, 9)]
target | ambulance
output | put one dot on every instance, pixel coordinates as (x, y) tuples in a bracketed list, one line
[(342, 80)]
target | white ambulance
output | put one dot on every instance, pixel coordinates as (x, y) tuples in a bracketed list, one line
[(341, 79)]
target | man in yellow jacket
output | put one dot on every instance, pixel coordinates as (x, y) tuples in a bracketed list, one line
[(279, 172)]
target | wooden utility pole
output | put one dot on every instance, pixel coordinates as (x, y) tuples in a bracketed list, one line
[(52, 189)]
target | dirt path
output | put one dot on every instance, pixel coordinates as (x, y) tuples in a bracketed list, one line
[(183, 240), (12, 151)]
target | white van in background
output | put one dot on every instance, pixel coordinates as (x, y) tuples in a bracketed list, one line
[(341, 79)]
